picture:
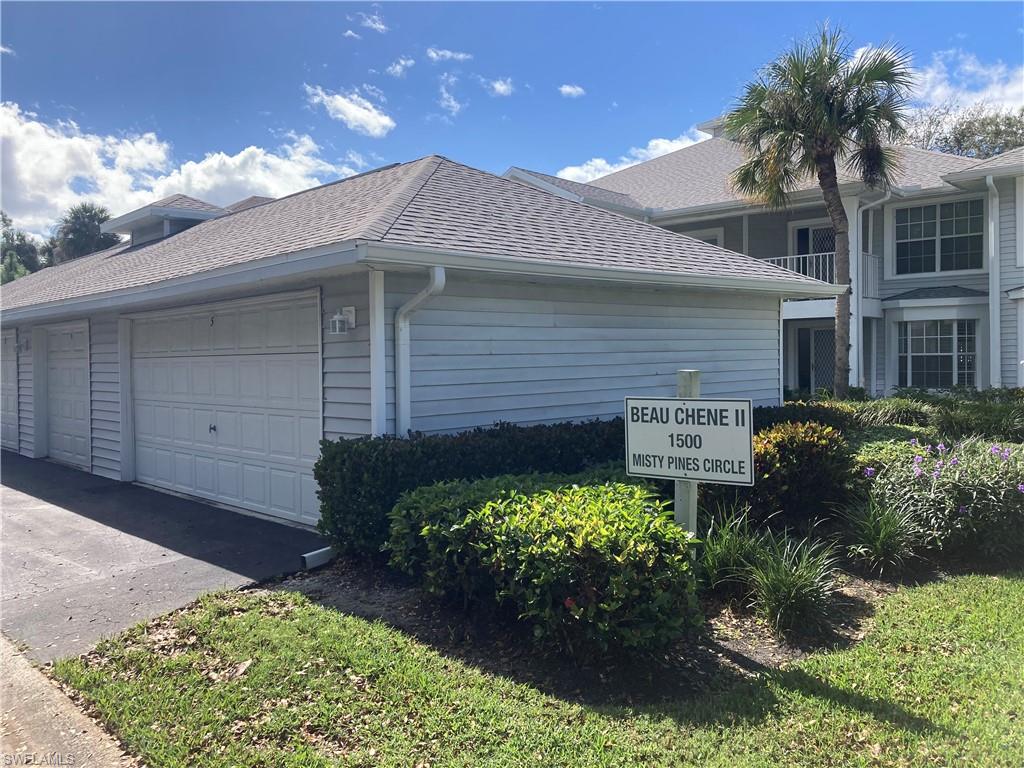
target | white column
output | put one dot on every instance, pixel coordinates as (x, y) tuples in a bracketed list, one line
[(994, 292), (850, 205)]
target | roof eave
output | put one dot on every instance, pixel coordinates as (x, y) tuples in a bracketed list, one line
[(381, 254), (801, 197), (978, 174)]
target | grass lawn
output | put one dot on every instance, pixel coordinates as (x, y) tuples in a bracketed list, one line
[(272, 679)]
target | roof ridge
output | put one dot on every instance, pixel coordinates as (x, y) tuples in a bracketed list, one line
[(403, 195)]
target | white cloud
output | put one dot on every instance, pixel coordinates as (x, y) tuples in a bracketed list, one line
[(500, 87), (352, 35), (48, 167), (353, 109), (959, 77), (599, 166), (447, 100), (373, 21), (398, 67), (571, 91), (374, 91), (443, 54), (5, 49)]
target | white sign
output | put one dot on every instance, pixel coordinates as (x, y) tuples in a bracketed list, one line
[(709, 441)]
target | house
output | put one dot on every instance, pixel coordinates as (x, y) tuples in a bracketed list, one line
[(937, 261), (209, 352)]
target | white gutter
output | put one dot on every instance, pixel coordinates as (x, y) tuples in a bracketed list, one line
[(420, 256), (403, 357), (994, 330), (859, 298)]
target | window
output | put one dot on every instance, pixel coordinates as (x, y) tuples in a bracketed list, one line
[(819, 239), (949, 234), (937, 354)]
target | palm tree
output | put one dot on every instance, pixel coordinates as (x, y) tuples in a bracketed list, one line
[(812, 108), (78, 233)]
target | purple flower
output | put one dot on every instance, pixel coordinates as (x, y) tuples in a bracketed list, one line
[(936, 473), (1020, 487), (913, 441), (962, 510), (938, 464), (1006, 455), (941, 447), (918, 459), (995, 450), (927, 449), (954, 461), (918, 471), (869, 471)]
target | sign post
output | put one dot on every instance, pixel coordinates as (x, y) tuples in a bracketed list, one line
[(687, 386), (689, 440)]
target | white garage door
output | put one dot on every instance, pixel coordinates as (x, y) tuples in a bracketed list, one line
[(227, 403), (9, 391), (67, 385)]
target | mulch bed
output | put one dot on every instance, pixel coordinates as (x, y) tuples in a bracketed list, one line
[(733, 642)]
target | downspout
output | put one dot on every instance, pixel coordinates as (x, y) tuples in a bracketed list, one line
[(860, 283), (994, 330), (403, 359)]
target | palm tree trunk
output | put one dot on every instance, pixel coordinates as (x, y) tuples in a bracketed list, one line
[(829, 182)]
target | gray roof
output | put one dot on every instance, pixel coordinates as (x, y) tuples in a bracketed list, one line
[(430, 203), (945, 292), (186, 202), (1011, 158), (699, 175), (588, 192), (247, 202)]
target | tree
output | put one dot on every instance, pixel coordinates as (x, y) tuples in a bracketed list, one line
[(813, 108), (979, 130), (20, 256), (78, 233)]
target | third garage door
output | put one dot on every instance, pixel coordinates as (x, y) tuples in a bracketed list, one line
[(227, 403)]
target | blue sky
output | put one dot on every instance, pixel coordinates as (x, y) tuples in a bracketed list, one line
[(128, 101)]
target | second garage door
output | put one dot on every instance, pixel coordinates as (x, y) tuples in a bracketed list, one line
[(227, 403)]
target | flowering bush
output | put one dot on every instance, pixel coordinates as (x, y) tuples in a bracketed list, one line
[(968, 497)]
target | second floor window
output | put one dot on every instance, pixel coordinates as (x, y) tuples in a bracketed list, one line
[(945, 237)]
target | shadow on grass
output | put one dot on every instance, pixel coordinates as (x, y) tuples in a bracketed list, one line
[(699, 682)]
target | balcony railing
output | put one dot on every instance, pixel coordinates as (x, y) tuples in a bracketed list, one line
[(822, 266)]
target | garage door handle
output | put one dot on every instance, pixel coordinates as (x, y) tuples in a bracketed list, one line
[(213, 427)]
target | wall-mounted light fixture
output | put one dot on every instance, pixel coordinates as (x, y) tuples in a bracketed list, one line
[(343, 321)]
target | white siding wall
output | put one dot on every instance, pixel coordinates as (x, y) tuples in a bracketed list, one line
[(488, 350), (25, 414), (106, 396), (347, 360), (1011, 277)]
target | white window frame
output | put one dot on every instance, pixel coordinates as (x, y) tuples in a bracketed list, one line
[(700, 234), (970, 309), (889, 256), (953, 353), (793, 226)]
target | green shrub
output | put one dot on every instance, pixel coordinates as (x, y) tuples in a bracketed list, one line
[(591, 568), (882, 536), (968, 498), (995, 420), (792, 581), (892, 411), (833, 413), (874, 456), (728, 549), (360, 480), (799, 469)]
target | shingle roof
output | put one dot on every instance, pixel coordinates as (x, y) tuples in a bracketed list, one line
[(586, 191), (944, 292), (699, 175), (432, 203), (1013, 157), (186, 202), (247, 202)]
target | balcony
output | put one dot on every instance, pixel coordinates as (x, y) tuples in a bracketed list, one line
[(822, 266)]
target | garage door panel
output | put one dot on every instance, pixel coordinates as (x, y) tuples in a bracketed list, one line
[(254, 375), (68, 397)]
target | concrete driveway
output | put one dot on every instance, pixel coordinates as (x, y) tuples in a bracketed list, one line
[(84, 557)]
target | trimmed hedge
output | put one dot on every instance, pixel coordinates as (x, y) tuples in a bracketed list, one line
[(592, 568), (832, 413), (360, 480)]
